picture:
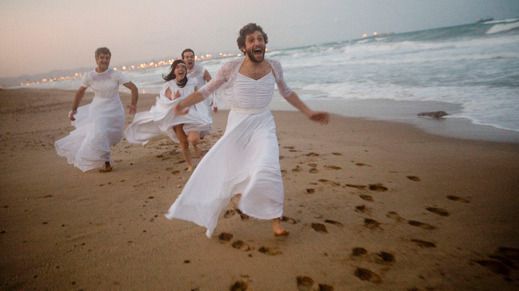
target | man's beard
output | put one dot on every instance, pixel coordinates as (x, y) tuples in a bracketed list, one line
[(252, 57)]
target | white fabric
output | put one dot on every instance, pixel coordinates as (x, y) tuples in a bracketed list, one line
[(98, 125), (196, 75), (245, 160), (228, 72), (161, 117)]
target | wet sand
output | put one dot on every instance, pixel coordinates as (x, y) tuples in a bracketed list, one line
[(370, 205)]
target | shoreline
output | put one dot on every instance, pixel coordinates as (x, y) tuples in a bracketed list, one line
[(406, 112), (392, 111)]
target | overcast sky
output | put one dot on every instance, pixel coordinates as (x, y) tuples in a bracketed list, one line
[(38, 36)]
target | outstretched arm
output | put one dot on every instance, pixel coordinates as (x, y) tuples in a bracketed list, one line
[(135, 96), (192, 99), (317, 116), (75, 104)]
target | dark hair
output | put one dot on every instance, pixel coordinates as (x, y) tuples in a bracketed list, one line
[(102, 50), (248, 29), (172, 76), (185, 51)]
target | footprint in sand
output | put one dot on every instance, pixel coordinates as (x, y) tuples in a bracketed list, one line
[(313, 171), (241, 245), (319, 227), (269, 251), (395, 216), (229, 213), (362, 165), (456, 198), (423, 243), (384, 258), (366, 197), (438, 211), (296, 169), (289, 220), (421, 224), (325, 287), (304, 283), (332, 167), (336, 154), (225, 236), (332, 183), (333, 222), (367, 275), (377, 187), (358, 251), (289, 147), (312, 154), (496, 267), (310, 190), (312, 165), (414, 178), (502, 260), (371, 223), (243, 216), (360, 187), (239, 286), (362, 209)]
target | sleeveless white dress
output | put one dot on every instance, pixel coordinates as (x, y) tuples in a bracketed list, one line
[(245, 160), (161, 118), (98, 125)]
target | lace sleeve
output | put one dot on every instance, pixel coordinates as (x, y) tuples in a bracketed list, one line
[(221, 77), (283, 88)]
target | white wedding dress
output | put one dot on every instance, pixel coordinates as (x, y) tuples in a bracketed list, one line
[(245, 160), (161, 118), (98, 125)]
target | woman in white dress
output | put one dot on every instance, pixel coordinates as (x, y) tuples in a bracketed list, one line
[(245, 160), (162, 120), (100, 124)]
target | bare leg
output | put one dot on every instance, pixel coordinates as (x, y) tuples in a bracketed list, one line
[(193, 138), (106, 168), (182, 138), (277, 228)]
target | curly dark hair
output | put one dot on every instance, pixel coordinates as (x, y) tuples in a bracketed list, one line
[(248, 29)]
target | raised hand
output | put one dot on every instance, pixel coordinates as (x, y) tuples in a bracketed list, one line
[(180, 111)]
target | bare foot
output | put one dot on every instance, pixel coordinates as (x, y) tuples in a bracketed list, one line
[(278, 229), (189, 168), (106, 168)]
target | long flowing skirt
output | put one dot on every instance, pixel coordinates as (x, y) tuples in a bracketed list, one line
[(245, 160), (160, 119), (98, 126)]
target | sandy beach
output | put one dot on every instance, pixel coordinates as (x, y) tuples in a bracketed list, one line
[(370, 205)]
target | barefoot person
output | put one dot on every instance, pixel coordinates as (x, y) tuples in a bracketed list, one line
[(245, 160), (200, 76), (100, 124), (161, 118)]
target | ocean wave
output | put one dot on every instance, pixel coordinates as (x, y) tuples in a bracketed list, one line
[(503, 27)]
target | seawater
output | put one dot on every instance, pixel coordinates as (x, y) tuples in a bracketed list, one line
[(475, 66)]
